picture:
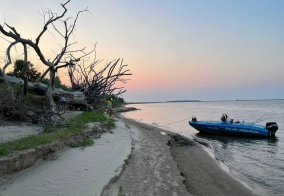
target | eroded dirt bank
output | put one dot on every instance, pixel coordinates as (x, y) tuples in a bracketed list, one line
[(24, 159), (75, 171)]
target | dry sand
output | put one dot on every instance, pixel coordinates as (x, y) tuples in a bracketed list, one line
[(14, 131), (74, 171), (156, 168), (18, 131)]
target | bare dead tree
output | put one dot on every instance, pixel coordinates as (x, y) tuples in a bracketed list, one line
[(64, 58), (91, 81), (96, 83), (8, 62)]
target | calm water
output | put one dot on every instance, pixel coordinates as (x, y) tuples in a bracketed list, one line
[(257, 162)]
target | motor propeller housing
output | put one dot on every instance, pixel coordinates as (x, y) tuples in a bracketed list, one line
[(272, 127)]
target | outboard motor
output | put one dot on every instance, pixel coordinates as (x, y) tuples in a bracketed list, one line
[(272, 127)]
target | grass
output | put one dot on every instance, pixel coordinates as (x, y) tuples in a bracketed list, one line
[(54, 133), (181, 142), (127, 126), (120, 191), (14, 87), (88, 142)]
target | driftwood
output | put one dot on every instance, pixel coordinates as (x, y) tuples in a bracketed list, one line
[(37, 86), (30, 108), (77, 97)]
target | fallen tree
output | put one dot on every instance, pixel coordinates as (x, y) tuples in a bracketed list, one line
[(96, 83), (89, 84), (64, 58)]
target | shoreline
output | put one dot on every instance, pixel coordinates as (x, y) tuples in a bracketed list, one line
[(156, 164), (196, 171)]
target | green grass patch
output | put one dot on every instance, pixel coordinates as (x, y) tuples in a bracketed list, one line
[(127, 126), (88, 142), (110, 123), (54, 133), (78, 122), (14, 87), (120, 191)]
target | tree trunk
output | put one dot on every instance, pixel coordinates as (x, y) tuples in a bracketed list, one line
[(72, 97)]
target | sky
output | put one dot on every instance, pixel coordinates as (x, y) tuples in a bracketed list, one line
[(176, 50)]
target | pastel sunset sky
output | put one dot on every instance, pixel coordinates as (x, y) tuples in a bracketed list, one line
[(175, 49)]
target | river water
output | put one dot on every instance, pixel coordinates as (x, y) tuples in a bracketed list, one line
[(256, 162)]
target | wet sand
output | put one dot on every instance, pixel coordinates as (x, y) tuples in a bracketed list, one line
[(155, 168), (203, 174)]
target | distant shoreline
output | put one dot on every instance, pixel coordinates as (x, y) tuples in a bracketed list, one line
[(182, 101)]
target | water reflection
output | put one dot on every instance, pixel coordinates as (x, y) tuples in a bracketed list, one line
[(235, 139), (256, 161), (272, 141)]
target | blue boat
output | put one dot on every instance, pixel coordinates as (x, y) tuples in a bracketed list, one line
[(229, 127)]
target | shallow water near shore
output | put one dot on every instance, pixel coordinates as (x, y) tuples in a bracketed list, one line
[(256, 162)]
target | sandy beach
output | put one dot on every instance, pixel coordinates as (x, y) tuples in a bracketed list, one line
[(148, 165), (155, 168)]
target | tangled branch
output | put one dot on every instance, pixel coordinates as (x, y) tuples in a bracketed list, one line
[(94, 83)]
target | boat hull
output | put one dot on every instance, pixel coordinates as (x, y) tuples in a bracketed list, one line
[(226, 128)]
